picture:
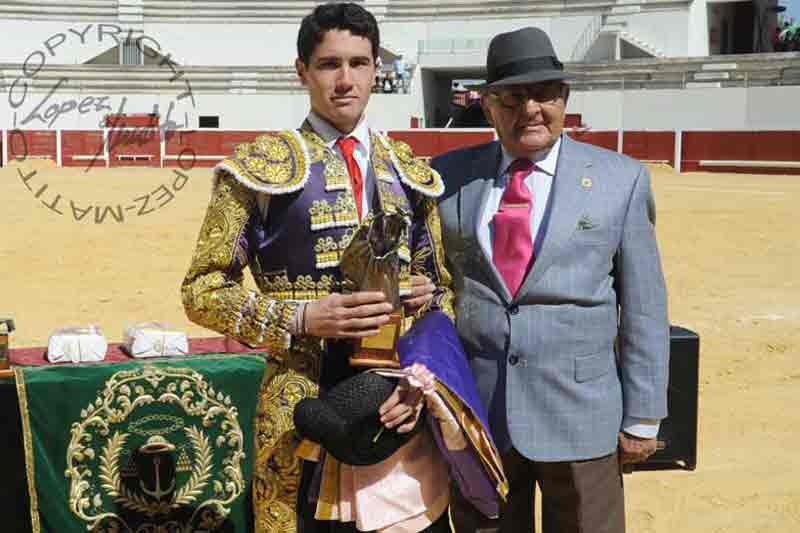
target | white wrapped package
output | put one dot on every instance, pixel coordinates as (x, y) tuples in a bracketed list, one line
[(154, 339), (78, 344)]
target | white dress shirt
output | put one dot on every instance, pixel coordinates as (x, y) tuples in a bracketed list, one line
[(540, 183), (361, 154)]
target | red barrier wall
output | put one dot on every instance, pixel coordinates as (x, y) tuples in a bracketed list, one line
[(740, 146), (573, 120), (77, 145), (195, 148), (603, 139), (430, 143), (31, 143), (137, 147), (135, 120), (650, 145)]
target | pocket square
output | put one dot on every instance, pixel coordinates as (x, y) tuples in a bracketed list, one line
[(585, 223)]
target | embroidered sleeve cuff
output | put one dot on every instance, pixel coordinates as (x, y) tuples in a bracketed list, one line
[(645, 428)]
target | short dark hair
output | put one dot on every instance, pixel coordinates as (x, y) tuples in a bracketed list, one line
[(336, 16)]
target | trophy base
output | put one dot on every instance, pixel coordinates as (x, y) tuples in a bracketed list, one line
[(380, 351)]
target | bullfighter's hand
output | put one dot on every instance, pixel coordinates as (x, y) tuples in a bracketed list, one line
[(403, 407), (422, 290), (356, 315)]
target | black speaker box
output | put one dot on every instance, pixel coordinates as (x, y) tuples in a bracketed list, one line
[(677, 436)]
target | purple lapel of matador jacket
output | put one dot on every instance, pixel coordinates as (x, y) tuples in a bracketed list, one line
[(433, 342)]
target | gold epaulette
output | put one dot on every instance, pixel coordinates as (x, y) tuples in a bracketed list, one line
[(276, 163), (413, 172)]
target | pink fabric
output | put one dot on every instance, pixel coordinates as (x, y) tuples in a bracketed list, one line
[(512, 249), (37, 356), (347, 145), (407, 486)]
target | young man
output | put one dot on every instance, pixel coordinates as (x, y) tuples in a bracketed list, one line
[(287, 205), (555, 263)]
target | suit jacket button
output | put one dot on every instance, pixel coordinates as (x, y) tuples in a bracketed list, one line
[(513, 360), (513, 310)]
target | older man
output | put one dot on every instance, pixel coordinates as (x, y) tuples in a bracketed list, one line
[(561, 302)]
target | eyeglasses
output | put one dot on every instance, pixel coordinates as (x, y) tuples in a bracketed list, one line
[(515, 97)]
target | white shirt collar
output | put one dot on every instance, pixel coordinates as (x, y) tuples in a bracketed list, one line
[(546, 160), (330, 134)]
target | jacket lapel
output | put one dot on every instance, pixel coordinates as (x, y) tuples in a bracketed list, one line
[(473, 198), (568, 197)]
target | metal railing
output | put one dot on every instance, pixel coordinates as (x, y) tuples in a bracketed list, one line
[(587, 38)]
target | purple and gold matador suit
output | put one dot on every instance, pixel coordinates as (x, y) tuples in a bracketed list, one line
[(293, 253)]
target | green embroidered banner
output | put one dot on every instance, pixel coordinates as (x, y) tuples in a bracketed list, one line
[(143, 446)]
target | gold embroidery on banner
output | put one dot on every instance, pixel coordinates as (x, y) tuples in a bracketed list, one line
[(27, 439), (182, 388)]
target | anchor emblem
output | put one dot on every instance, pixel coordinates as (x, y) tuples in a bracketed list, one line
[(161, 451)]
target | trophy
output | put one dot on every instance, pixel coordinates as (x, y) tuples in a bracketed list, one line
[(371, 263)]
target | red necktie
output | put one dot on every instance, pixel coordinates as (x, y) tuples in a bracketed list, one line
[(512, 250), (347, 145)]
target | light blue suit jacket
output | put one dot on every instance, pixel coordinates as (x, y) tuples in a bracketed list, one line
[(586, 339)]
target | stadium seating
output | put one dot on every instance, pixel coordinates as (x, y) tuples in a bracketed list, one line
[(655, 73), (95, 10), (219, 10), (422, 9)]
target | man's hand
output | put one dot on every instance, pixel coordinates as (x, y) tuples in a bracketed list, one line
[(402, 408), (355, 315), (422, 289), (634, 449)]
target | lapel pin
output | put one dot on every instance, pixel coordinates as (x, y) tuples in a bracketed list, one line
[(586, 182)]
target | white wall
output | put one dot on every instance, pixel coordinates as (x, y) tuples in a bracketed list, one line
[(236, 111), (22, 38), (668, 31), (757, 108), (228, 44), (698, 29)]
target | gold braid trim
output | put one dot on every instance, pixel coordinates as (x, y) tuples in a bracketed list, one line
[(27, 438), (412, 171), (445, 298), (213, 292), (473, 429), (273, 164)]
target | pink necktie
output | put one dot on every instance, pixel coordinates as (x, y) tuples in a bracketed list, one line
[(347, 145), (513, 245)]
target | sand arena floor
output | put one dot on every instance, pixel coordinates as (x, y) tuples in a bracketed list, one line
[(730, 249)]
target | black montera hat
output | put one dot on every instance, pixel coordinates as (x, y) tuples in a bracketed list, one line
[(345, 420), (522, 56)]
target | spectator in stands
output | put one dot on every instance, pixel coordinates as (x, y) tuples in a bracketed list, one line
[(555, 262), (400, 72), (466, 110), (286, 205), (388, 83)]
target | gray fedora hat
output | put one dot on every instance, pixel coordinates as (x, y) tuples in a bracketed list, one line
[(522, 56)]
